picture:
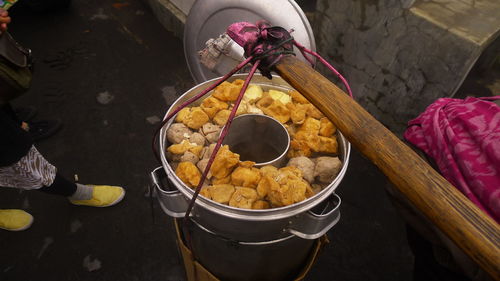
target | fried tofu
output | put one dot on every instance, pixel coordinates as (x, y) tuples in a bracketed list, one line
[(269, 170), (196, 118), (298, 97), (221, 193), (266, 183), (183, 114), (298, 113), (246, 177), (283, 97), (212, 105), (221, 117), (290, 192), (274, 108), (184, 146), (260, 205), (326, 128), (243, 197), (328, 145), (188, 173), (228, 91), (253, 93), (224, 163)]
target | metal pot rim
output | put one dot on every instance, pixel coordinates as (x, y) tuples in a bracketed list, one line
[(250, 214)]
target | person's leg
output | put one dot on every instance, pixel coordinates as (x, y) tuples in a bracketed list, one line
[(33, 172), (86, 195)]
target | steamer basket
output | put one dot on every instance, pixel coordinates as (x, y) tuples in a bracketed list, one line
[(308, 219)]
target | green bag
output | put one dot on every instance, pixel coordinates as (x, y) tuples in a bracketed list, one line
[(15, 68)]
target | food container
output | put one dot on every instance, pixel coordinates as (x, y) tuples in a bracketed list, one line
[(220, 233)]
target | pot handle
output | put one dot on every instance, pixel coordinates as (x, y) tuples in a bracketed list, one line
[(171, 200), (316, 222)]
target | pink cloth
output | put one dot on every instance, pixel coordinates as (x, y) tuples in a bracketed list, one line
[(262, 41), (463, 138)]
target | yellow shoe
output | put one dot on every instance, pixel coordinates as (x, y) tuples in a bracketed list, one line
[(15, 220), (102, 196)]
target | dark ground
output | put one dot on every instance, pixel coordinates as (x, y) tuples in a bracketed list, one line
[(103, 46)]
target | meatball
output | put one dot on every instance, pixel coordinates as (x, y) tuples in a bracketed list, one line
[(305, 165), (327, 168), (177, 132)]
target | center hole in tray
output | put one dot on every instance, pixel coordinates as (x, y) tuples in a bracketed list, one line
[(258, 138)]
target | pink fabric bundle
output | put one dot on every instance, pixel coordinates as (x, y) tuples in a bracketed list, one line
[(262, 41), (463, 138)]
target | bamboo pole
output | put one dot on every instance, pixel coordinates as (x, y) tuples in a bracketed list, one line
[(471, 229)]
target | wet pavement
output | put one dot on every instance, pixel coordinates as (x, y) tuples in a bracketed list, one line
[(109, 71)]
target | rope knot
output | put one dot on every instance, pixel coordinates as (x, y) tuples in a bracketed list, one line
[(262, 42)]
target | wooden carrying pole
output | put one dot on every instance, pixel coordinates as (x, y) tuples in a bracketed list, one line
[(471, 229)]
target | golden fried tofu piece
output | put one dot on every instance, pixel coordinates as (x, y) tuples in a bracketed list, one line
[(260, 205), (298, 97), (313, 112), (242, 108), (279, 95), (243, 197), (238, 83), (228, 91), (306, 139), (205, 192), (298, 113), (266, 183), (196, 118), (226, 180), (188, 173), (224, 162), (269, 170), (253, 93), (247, 164), (252, 109), (221, 193), (328, 145), (184, 146), (303, 139), (288, 173), (182, 114), (246, 177), (221, 117), (311, 125), (292, 191), (274, 108), (212, 105), (299, 152), (326, 129)]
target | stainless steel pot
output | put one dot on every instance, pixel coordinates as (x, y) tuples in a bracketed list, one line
[(301, 219)]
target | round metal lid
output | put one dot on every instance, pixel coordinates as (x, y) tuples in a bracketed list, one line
[(210, 18)]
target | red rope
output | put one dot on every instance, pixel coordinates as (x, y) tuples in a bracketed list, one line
[(190, 101), (222, 136), (306, 51)]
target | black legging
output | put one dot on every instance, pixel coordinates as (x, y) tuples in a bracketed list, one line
[(60, 186)]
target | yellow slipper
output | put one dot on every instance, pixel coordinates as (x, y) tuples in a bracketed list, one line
[(102, 196), (15, 220)]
